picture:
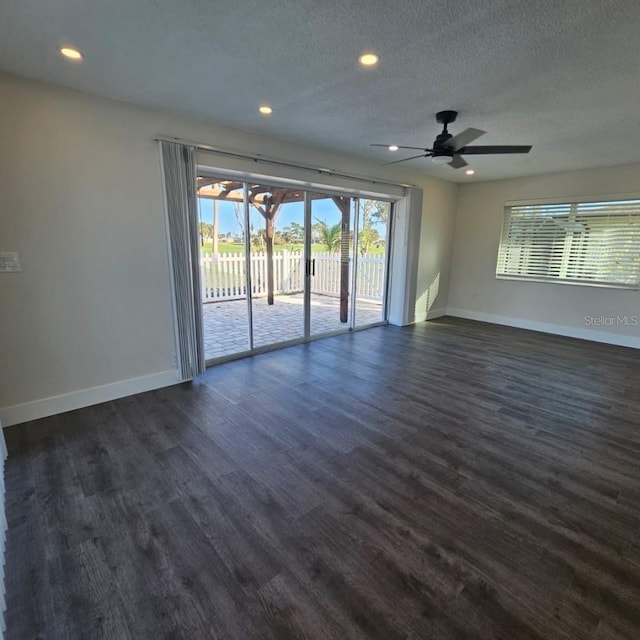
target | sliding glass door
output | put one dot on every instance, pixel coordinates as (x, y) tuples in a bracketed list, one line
[(370, 260), (223, 267), (331, 258), (277, 233), (281, 265)]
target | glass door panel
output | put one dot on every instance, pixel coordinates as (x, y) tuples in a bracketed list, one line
[(223, 267), (279, 264), (276, 232), (331, 255), (371, 260)]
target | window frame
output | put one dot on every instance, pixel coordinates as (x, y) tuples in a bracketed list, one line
[(572, 203)]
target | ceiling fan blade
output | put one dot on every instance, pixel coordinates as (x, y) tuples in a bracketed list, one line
[(479, 150), (422, 155), (458, 162), (399, 146), (464, 138)]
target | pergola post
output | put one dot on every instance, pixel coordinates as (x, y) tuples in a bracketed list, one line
[(343, 203), (269, 240), (269, 211)]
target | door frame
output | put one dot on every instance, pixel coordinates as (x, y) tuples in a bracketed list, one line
[(307, 261), (307, 188)]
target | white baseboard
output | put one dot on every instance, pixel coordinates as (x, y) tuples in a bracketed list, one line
[(548, 327), (44, 407), (19, 413)]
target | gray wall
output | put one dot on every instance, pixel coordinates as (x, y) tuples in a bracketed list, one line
[(475, 292), (89, 317)]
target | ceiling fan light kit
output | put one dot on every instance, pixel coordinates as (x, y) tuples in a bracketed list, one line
[(449, 149)]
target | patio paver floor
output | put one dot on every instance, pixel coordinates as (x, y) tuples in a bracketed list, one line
[(225, 322)]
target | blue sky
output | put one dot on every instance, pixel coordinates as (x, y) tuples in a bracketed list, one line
[(325, 210), (292, 212)]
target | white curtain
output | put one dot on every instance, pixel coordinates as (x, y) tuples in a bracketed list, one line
[(179, 169)]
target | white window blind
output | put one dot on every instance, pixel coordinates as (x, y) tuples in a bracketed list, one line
[(595, 243)]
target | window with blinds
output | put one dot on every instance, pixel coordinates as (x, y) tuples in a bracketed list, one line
[(593, 243)]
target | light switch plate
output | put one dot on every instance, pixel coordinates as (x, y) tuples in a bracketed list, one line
[(9, 262)]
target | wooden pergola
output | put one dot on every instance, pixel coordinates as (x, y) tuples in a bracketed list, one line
[(267, 200)]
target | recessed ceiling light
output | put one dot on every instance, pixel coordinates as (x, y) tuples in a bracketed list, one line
[(393, 147), (265, 110), (368, 59), (72, 54), (469, 172)]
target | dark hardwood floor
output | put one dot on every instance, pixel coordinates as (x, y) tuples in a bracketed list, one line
[(452, 480)]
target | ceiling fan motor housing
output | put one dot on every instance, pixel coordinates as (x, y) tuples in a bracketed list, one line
[(441, 141)]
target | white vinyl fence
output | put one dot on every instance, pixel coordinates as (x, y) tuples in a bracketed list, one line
[(223, 275)]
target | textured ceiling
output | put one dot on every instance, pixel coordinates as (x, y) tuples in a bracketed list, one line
[(562, 75)]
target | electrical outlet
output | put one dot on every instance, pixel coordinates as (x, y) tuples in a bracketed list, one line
[(474, 294), (9, 262)]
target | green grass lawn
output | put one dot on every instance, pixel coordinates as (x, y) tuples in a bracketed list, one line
[(227, 247)]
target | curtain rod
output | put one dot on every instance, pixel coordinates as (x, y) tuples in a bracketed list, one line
[(283, 163)]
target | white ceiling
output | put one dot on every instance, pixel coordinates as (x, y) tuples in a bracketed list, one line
[(562, 75)]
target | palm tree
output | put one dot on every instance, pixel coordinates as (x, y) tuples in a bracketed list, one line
[(329, 236)]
